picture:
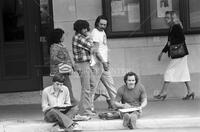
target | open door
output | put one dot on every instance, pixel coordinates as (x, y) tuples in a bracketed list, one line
[(19, 45)]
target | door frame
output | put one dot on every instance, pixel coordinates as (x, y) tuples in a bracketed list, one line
[(33, 50)]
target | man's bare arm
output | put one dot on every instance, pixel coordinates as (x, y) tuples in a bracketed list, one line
[(95, 50), (144, 103), (122, 106)]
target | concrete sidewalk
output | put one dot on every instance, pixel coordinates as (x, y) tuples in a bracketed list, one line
[(158, 114)]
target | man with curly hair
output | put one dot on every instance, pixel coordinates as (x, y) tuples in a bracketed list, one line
[(82, 48)]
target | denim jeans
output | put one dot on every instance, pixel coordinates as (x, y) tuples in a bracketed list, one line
[(64, 119), (67, 83), (106, 78), (88, 87)]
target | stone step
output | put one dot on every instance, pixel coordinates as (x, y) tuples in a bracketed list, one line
[(141, 124), (102, 125)]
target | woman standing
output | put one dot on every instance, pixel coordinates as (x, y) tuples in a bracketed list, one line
[(177, 70), (59, 56)]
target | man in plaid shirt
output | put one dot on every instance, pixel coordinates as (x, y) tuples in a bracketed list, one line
[(82, 46)]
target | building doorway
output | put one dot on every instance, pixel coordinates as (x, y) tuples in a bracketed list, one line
[(19, 45)]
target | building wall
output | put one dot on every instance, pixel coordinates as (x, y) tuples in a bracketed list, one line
[(127, 54)]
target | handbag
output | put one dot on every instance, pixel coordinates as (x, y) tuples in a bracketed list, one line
[(64, 68), (177, 50), (109, 115)]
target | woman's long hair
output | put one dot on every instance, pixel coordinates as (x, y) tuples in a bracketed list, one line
[(175, 19)]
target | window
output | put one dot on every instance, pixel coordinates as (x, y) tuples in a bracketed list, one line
[(158, 9), (130, 18), (125, 15), (194, 13)]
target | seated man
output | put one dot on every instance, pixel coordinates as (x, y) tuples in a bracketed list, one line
[(131, 95), (56, 104)]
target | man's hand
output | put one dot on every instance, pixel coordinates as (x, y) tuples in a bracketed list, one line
[(126, 105), (106, 66), (94, 49)]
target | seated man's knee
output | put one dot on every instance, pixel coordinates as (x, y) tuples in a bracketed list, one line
[(50, 115), (51, 111), (134, 115)]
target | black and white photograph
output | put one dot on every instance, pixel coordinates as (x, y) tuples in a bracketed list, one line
[(99, 65)]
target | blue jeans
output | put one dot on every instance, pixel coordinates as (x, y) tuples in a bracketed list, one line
[(88, 87)]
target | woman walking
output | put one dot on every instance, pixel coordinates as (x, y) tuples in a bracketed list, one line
[(177, 70)]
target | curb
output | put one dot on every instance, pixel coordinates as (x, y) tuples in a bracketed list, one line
[(104, 125)]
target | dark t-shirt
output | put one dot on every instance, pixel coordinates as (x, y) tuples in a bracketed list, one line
[(133, 97)]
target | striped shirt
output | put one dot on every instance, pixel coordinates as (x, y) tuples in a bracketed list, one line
[(81, 47)]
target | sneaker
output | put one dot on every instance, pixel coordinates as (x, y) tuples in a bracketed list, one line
[(126, 119), (72, 128), (81, 118), (132, 123), (89, 113)]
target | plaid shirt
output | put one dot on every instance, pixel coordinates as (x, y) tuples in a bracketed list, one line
[(81, 47)]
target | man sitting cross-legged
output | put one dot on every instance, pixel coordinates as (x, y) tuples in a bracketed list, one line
[(131, 95), (56, 104)]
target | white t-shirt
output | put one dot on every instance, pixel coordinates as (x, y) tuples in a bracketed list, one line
[(100, 37)]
